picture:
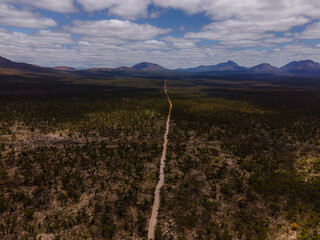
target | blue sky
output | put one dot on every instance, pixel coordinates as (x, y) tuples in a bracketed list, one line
[(172, 33)]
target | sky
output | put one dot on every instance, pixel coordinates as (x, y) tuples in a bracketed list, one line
[(172, 33)]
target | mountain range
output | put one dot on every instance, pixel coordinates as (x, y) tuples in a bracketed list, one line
[(229, 66), (305, 67), (296, 67)]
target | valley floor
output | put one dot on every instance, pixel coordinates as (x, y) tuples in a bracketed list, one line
[(82, 161)]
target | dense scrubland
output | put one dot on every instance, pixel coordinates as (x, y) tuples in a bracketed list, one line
[(79, 158), (79, 166), (242, 164)]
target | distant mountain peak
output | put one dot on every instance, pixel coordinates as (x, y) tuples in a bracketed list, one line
[(265, 65), (144, 65), (264, 68), (147, 66), (231, 62), (302, 66), (229, 66)]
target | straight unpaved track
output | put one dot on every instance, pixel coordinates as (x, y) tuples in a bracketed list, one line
[(156, 203)]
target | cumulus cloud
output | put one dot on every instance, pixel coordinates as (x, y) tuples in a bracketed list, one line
[(239, 29), (50, 48), (248, 21), (311, 32), (242, 33), (11, 16), (40, 39), (251, 24), (127, 9), (248, 32), (180, 43), (149, 45), (116, 29), (62, 6), (43, 47), (189, 6), (251, 10)]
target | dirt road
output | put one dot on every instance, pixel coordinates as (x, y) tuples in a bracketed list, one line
[(156, 204)]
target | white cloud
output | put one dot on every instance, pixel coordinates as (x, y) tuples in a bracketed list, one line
[(45, 39), (180, 42), (127, 9), (178, 39), (50, 48), (311, 32), (116, 29), (149, 45), (258, 10), (248, 21), (232, 30), (249, 24), (155, 14), (189, 6), (63, 6), (11, 16), (42, 47)]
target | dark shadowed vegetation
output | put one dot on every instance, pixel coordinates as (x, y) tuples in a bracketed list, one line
[(79, 157)]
